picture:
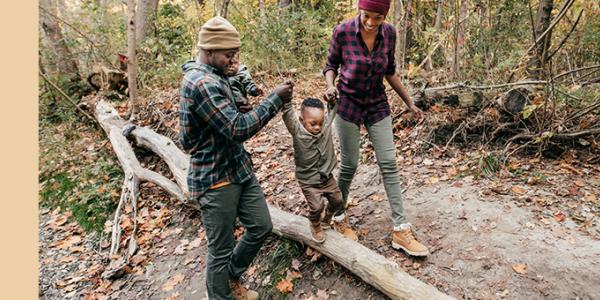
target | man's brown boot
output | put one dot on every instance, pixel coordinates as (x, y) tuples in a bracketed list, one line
[(340, 224), (317, 232), (405, 239), (242, 293)]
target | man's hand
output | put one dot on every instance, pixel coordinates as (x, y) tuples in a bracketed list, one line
[(285, 91), (331, 94)]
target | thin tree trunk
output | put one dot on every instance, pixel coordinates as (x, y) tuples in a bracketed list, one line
[(542, 21), (455, 60), (398, 12), (261, 8), (145, 16), (64, 60), (284, 3), (131, 60), (222, 8)]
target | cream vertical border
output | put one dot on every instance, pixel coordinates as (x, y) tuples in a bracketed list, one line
[(19, 150)]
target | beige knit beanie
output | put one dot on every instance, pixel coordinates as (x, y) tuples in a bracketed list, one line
[(218, 34)]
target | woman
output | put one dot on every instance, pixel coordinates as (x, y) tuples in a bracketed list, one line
[(363, 51)]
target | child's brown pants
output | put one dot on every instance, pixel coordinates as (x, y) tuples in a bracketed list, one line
[(313, 194)]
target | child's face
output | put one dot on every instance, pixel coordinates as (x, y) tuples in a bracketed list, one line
[(312, 119), (233, 69)]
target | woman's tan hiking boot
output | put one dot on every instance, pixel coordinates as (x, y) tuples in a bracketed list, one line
[(404, 239), (317, 232), (341, 225)]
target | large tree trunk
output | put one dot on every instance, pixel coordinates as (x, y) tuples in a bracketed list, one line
[(145, 16), (131, 59), (542, 21), (373, 268), (65, 62)]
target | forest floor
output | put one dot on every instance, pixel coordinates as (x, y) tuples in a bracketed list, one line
[(530, 231)]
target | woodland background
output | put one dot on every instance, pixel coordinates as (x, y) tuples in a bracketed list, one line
[(510, 89)]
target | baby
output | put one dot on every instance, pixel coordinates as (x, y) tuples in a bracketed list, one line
[(242, 85)]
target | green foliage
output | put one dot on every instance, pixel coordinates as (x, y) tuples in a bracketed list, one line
[(490, 163), (296, 37), (162, 52), (76, 179), (276, 263), (53, 107)]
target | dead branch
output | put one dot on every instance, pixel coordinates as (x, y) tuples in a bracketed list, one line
[(562, 42), (68, 98)]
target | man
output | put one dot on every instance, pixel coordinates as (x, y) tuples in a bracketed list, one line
[(220, 174)]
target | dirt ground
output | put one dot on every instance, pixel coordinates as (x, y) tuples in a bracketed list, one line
[(532, 234)]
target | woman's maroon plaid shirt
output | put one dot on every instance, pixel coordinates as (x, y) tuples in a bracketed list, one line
[(360, 84)]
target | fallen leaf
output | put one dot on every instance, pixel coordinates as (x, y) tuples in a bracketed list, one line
[(416, 265), (296, 264), (518, 190), (173, 296), (451, 172), (520, 268), (285, 286), (238, 233), (579, 183), (428, 162), (433, 179), (376, 197), (559, 216), (67, 259), (175, 280), (291, 275), (322, 295), (590, 198), (195, 243)]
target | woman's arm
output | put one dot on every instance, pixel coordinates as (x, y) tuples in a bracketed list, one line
[(397, 85), (331, 92)]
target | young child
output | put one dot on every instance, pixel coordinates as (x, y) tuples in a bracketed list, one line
[(315, 159), (242, 85)]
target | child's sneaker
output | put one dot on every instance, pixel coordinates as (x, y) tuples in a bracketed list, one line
[(340, 224), (317, 232), (404, 239)]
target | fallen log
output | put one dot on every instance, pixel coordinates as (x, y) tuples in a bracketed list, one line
[(371, 267)]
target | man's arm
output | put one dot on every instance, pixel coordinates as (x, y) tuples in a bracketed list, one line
[(222, 115)]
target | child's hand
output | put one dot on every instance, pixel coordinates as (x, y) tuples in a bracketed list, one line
[(285, 91), (259, 91), (244, 108)]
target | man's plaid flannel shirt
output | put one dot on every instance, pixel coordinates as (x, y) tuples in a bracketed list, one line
[(212, 130)]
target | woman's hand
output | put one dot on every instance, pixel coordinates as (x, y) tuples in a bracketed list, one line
[(331, 95), (417, 112)]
